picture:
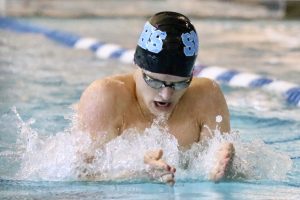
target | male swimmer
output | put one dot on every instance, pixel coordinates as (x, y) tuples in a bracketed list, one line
[(163, 85)]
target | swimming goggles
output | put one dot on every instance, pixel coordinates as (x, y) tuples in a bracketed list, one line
[(158, 84)]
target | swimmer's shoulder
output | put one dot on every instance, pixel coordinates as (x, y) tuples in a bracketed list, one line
[(122, 84), (103, 103), (204, 86), (206, 93), (209, 98), (111, 89)]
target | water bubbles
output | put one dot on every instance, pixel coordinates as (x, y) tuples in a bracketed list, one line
[(219, 118)]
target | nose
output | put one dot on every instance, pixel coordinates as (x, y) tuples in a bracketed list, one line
[(166, 93)]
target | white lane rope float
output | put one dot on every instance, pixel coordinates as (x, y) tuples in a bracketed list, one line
[(289, 91)]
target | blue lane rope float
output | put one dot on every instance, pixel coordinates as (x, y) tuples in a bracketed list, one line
[(234, 78), (289, 91)]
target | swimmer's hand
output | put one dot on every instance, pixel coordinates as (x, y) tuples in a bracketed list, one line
[(159, 169), (224, 158)]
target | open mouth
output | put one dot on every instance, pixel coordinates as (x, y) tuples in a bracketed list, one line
[(162, 104)]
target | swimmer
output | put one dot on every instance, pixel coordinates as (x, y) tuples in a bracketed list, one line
[(162, 85)]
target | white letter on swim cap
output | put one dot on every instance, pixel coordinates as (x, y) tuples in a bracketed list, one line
[(190, 41), (151, 39)]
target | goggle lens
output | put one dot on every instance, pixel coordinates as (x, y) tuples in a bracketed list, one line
[(158, 84)]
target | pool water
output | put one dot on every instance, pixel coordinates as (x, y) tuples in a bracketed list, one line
[(41, 81)]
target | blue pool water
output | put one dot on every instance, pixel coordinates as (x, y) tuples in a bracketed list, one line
[(41, 82)]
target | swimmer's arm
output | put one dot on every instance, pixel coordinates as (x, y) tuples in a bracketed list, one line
[(98, 111), (216, 113), (96, 118), (217, 118)]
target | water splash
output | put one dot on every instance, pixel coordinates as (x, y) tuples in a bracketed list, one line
[(122, 158), (72, 155)]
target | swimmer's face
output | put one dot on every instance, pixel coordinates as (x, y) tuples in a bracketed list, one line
[(161, 92)]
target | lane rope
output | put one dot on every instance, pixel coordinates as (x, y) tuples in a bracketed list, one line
[(289, 91)]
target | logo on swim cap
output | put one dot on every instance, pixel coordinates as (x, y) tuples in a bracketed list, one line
[(190, 41), (168, 44), (152, 39)]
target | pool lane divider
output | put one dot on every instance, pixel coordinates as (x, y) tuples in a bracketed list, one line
[(234, 78)]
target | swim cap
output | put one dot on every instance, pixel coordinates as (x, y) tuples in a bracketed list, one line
[(167, 45)]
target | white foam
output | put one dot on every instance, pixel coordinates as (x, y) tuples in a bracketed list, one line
[(63, 156), (219, 118)]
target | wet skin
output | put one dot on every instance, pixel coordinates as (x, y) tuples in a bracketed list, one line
[(104, 110)]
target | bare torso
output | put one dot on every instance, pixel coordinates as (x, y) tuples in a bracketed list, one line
[(110, 106), (199, 106)]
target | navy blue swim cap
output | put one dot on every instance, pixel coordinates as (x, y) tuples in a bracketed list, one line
[(167, 45)]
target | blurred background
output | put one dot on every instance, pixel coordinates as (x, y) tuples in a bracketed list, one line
[(256, 36), (245, 9)]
